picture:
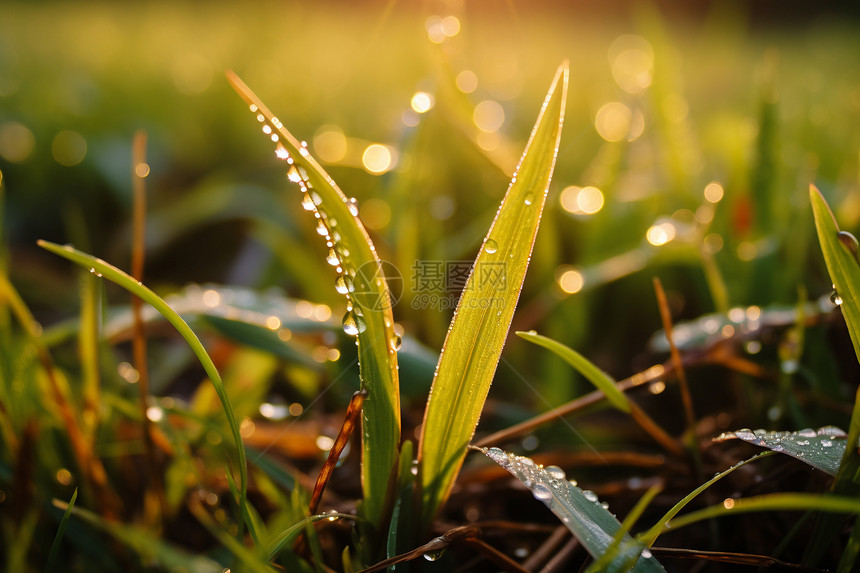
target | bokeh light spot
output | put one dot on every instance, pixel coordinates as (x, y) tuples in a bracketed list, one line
[(16, 141), (69, 148), (467, 81), (330, 143), (375, 213), (714, 192), (613, 121), (632, 61), (489, 116), (660, 234), (570, 280), (377, 158), (422, 102)]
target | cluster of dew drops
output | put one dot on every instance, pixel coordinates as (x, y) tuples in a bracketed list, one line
[(338, 254), (545, 483)]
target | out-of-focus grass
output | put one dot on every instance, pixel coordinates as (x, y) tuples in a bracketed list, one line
[(729, 121)]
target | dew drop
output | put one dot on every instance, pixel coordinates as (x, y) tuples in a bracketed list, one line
[(590, 495), (352, 206), (850, 243), (807, 433), (555, 472), (293, 174), (835, 298), (343, 284), (332, 258), (646, 553), (573, 483), (433, 555), (322, 229), (307, 203), (826, 443), (541, 492), (529, 198), (353, 324), (745, 434), (395, 342), (316, 198), (491, 246)]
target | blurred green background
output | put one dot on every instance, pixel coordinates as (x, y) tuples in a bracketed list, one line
[(695, 132)]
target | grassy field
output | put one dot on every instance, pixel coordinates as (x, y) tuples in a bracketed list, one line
[(690, 141)]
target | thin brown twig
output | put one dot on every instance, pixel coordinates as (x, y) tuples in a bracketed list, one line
[(139, 170), (666, 318)]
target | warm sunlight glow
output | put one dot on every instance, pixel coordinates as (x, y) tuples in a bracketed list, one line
[(422, 102), (377, 158), (16, 141), (375, 213), (660, 234), (571, 281)]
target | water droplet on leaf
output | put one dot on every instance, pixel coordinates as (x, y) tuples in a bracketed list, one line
[(491, 246), (541, 492), (353, 323)]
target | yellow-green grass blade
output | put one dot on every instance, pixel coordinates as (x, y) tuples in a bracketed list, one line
[(842, 263), (601, 380), (362, 280), (115, 275), (483, 317)]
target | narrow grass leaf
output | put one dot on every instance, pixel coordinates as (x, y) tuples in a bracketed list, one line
[(61, 530), (361, 279), (601, 380), (481, 322), (822, 449), (137, 288), (580, 511), (770, 502), (840, 251), (650, 536)]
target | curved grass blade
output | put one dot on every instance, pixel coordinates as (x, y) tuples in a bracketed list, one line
[(362, 280), (650, 536), (840, 251), (601, 380), (580, 511), (115, 275), (770, 502), (61, 530), (822, 449), (480, 326)]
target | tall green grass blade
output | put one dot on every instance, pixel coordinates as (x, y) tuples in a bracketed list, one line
[(601, 380), (61, 530), (480, 326), (292, 532), (362, 280), (580, 511), (137, 288)]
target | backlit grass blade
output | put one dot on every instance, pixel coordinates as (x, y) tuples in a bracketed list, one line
[(115, 275), (601, 380), (483, 317), (61, 531), (361, 279), (841, 256)]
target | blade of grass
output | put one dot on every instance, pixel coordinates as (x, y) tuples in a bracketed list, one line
[(769, 502), (61, 530), (137, 288), (369, 316), (480, 326), (607, 385)]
